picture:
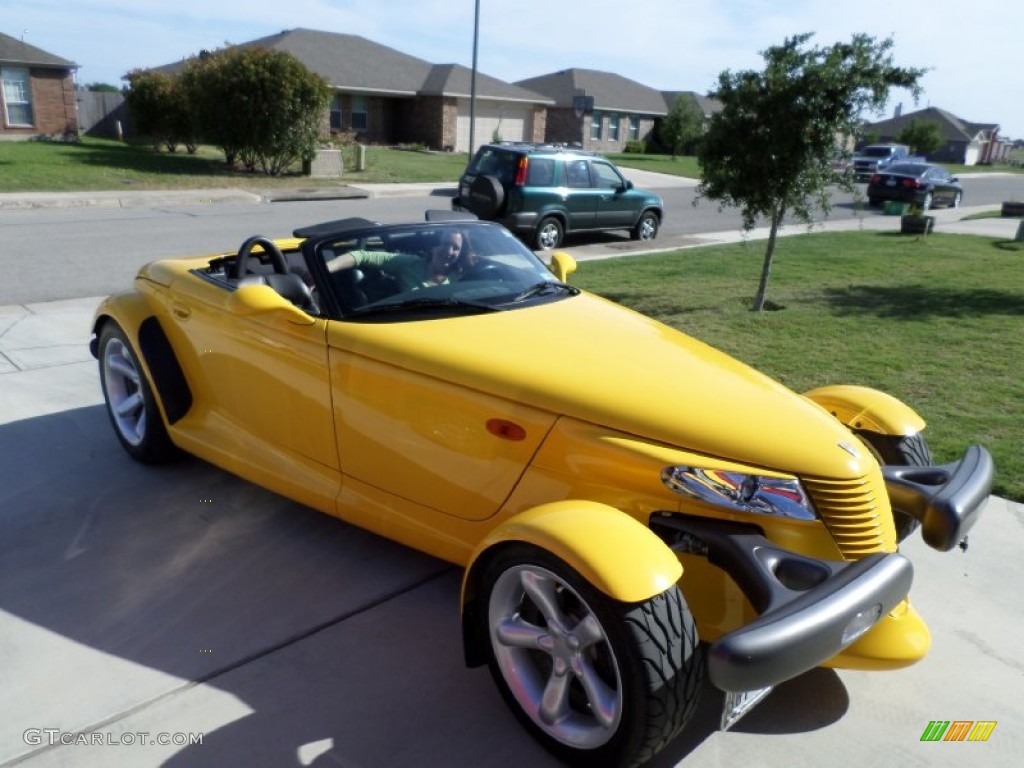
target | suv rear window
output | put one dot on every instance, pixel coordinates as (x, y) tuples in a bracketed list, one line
[(494, 162)]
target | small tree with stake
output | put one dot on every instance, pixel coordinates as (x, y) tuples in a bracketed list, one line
[(770, 150)]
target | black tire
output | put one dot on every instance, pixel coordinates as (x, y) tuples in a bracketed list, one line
[(646, 226), (874, 202), (631, 673), (958, 196), (486, 197), (133, 411), (902, 451), (549, 234), (926, 203)]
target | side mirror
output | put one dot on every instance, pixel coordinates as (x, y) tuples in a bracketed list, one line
[(629, 184), (252, 300), (562, 265)]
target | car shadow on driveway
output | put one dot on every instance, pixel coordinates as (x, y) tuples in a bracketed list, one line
[(133, 598)]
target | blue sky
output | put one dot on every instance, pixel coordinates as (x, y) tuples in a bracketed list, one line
[(972, 49)]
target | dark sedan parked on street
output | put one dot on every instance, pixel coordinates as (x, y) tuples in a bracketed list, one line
[(920, 184)]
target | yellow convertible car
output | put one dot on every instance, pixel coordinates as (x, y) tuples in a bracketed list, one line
[(634, 510)]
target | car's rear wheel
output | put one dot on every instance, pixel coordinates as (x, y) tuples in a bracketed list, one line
[(647, 227), (549, 234), (596, 681), (926, 203), (874, 202), (902, 451), (130, 403), (957, 197)]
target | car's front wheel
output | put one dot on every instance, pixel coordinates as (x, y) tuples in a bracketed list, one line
[(596, 681), (646, 228), (130, 403), (549, 234)]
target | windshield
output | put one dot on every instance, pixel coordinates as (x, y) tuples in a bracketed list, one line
[(875, 152), (394, 273)]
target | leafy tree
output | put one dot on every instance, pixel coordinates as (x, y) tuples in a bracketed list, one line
[(770, 150), (922, 137), (263, 107), (101, 88), (680, 130), (161, 109)]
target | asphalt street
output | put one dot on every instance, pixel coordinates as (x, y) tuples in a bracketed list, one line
[(142, 608)]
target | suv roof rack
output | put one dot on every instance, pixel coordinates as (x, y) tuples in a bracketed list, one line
[(574, 146)]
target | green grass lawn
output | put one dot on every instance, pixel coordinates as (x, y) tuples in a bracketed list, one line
[(100, 164), (687, 165), (937, 322), (683, 165)]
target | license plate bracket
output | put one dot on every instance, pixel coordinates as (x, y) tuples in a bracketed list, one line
[(736, 705)]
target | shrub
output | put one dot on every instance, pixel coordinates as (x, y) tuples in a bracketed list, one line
[(635, 147)]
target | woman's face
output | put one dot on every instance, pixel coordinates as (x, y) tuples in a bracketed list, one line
[(446, 253)]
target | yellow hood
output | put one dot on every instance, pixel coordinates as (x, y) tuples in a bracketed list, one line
[(596, 361)]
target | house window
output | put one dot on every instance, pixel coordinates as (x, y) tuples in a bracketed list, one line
[(634, 127), (596, 119), (360, 118), (613, 127), (336, 112), (17, 97)]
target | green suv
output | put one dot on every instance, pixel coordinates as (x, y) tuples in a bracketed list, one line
[(543, 191)]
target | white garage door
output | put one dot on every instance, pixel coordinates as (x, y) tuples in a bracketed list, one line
[(513, 122)]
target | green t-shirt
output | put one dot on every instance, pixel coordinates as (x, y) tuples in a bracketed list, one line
[(409, 269)]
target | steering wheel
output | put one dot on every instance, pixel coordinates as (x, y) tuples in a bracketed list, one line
[(276, 257), (484, 271)]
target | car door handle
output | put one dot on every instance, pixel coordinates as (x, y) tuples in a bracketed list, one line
[(181, 310)]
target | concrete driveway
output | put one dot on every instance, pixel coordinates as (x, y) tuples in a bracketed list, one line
[(143, 605)]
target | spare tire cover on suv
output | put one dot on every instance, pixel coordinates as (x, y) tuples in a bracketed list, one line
[(486, 196)]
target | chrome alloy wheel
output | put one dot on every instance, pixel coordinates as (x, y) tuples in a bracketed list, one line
[(123, 385), (555, 656)]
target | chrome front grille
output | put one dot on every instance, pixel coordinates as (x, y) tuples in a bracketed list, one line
[(856, 513)]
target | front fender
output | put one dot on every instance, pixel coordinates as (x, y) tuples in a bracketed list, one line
[(617, 554), (863, 408), (614, 552)]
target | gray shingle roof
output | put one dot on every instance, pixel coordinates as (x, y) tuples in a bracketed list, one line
[(952, 127), (353, 63), (14, 51), (707, 105), (456, 80), (611, 92)]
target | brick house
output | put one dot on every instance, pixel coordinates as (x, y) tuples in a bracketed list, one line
[(964, 142), (37, 91), (599, 110), (384, 96)]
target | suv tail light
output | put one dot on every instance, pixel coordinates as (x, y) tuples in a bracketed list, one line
[(912, 184), (524, 165), (875, 178)]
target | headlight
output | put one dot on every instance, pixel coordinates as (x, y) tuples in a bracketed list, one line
[(740, 492)]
